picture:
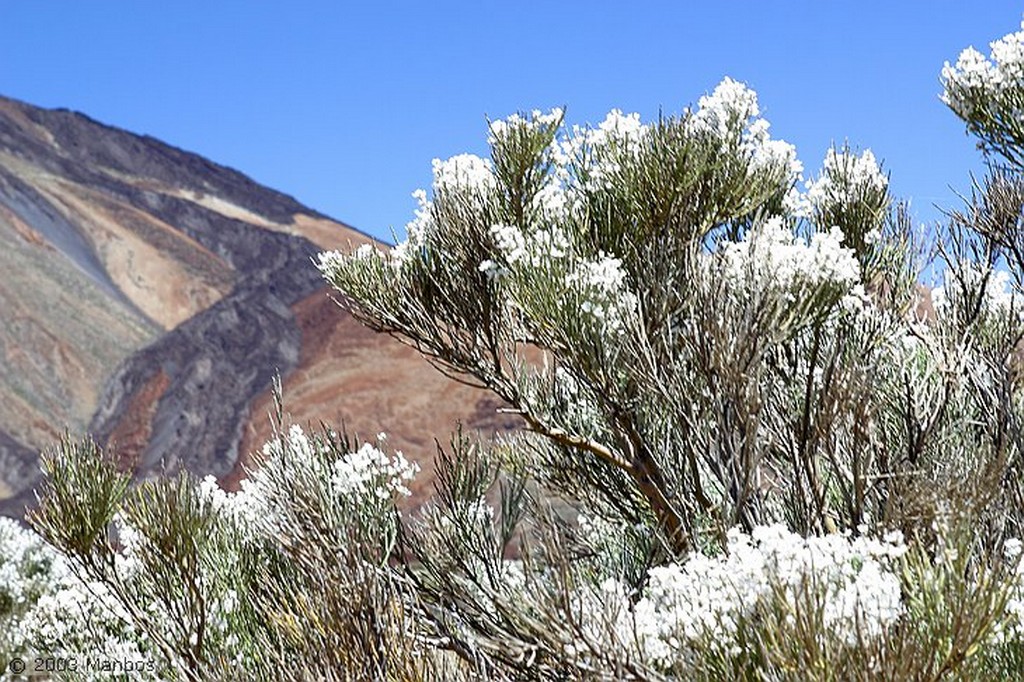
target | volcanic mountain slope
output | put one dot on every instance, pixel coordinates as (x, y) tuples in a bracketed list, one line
[(149, 296)]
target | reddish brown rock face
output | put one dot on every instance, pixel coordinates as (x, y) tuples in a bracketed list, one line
[(150, 297), (134, 428), (349, 375)]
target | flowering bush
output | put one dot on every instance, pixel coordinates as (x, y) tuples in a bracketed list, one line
[(179, 579), (986, 94), (749, 452)]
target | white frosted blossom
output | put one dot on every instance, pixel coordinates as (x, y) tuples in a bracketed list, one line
[(796, 203), (510, 241), (598, 152), (500, 129), (365, 474), (605, 292), (23, 555), (768, 153), (86, 622), (778, 154), (773, 254), (844, 177), (1012, 626), (705, 599), (132, 545), (624, 130), (465, 175), (975, 82), (732, 112), (727, 110), (605, 274), (479, 512), (552, 203), (972, 71), (1008, 56), (463, 172), (246, 506), (45, 610), (329, 262), (368, 471), (416, 229), (534, 249), (366, 252)]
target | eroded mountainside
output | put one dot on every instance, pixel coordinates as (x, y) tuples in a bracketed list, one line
[(149, 296)]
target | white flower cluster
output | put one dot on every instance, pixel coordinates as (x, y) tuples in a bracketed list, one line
[(605, 291), (63, 617), (510, 242), (552, 204), (768, 153), (244, 507), (463, 172), (132, 546), (328, 262), (976, 81), (772, 254), (1013, 627), (50, 612), (536, 248), (80, 621), (416, 229), (617, 129), (366, 474), (467, 175), (731, 110), (726, 110), (844, 176), (477, 513), (1000, 296), (581, 160), (500, 129), (597, 153), (687, 605), (624, 131), (370, 472), (366, 252), (25, 565), (66, 617)]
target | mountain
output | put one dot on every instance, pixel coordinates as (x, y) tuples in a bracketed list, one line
[(149, 297)]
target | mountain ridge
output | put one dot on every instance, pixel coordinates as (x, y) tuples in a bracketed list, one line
[(153, 296), (51, 119)]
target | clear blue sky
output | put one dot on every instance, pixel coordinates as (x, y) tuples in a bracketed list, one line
[(343, 104)]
